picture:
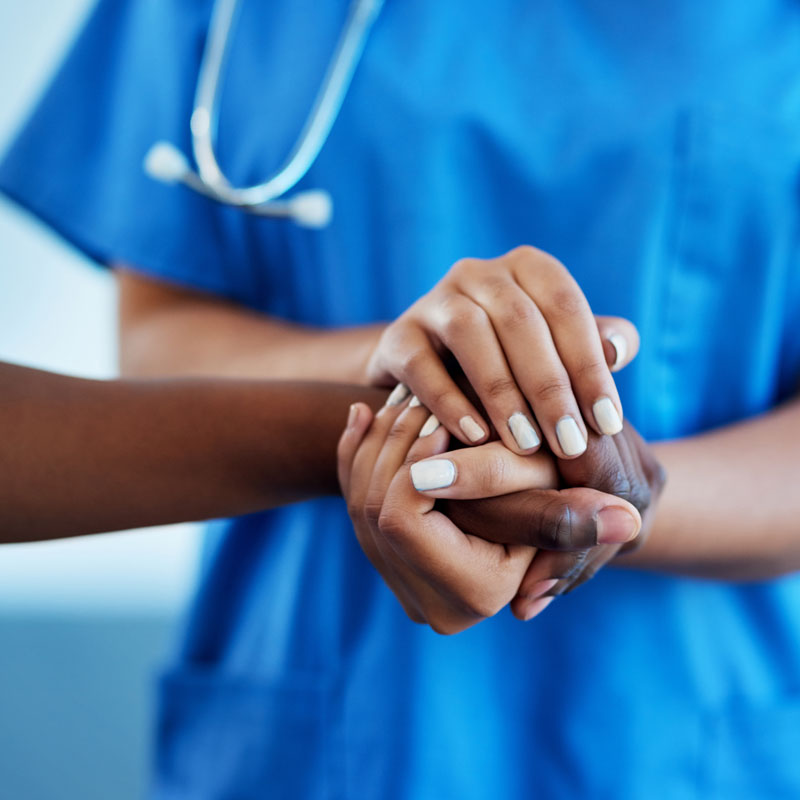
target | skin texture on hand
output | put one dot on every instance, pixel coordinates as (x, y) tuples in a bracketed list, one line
[(453, 561), (442, 577), (522, 331), (568, 525)]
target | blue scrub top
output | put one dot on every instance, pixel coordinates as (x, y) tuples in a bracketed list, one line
[(655, 149)]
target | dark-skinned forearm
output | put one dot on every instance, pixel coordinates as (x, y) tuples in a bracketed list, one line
[(83, 456)]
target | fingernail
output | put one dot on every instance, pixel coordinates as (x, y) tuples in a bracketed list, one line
[(570, 437), (414, 402), (437, 473), (471, 429), (620, 345), (615, 525), (431, 424), (399, 393), (536, 607), (607, 416), (541, 587), (352, 415), (523, 432)]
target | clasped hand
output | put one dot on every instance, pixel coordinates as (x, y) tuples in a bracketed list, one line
[(459, 535), (453, 560)]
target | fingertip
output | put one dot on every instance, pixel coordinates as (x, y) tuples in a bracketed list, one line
[(526, 610), (616, 349), (359, 418), (620, 341), (472, 429), (618, 524), (572, 437), (525, 436)]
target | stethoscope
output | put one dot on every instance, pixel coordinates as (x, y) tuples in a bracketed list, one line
[(312, 208)]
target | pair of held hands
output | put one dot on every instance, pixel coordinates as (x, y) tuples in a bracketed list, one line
[(459, 535)]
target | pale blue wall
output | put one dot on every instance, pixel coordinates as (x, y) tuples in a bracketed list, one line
[(84, 624)]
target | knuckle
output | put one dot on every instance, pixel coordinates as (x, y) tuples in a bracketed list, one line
[(517, 314), (465, 319), (439, 399), (550, 264), (413, 362), (499, 386), (398, 432), (477, 608), (640, 496), (552, 389), (524, 254), (589, 369), (372, 510), (559, 528), (354, 509), (464, 267), (556, 527), (567, 301), (615, 480), (391, 522), (496, 285)]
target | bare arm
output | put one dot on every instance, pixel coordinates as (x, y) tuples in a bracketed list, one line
[(84, 456), (731, 505), (167, 331)]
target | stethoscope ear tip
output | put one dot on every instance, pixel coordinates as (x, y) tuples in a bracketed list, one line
[(166, 163), (311, 209)]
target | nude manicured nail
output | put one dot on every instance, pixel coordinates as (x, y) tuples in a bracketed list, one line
[(437, 473), (616, 525), (399, 393), (607, 416), (414, 402), (570, 437), (620, 345), (431, 424), (536, 607), (541, 587), (523, 432), (471, 429), (352, 416)]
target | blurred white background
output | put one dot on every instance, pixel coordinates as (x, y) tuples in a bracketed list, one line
[(84, 623)]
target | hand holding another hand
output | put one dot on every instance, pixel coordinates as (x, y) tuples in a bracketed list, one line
[(458, 562)]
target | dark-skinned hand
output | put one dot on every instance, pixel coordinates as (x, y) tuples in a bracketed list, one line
[(564, 525)]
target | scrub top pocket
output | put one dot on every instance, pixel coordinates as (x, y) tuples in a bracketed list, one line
[(224, 737)]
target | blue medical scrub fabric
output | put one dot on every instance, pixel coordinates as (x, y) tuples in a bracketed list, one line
[(655, 149)]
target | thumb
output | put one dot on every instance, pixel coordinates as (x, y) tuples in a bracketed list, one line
[(620, 341), (569, 519)]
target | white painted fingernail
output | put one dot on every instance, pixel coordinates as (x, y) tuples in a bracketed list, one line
[(570, 437), (471, 429), (437, 473), (523, 432), (620, 345), (431, 424), (399, 393), (414, 402), (607, 416)]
